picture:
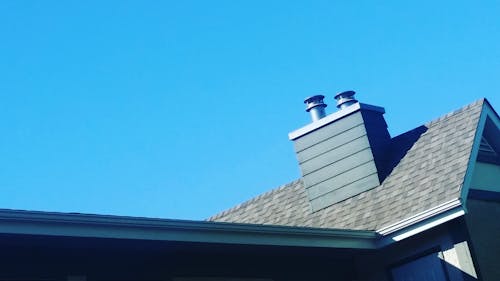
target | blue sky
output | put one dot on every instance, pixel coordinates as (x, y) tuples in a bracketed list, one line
[(180, 109)]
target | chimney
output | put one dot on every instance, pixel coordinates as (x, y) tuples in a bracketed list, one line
[(341, 154)]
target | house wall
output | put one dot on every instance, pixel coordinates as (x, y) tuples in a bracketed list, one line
[(483, 221), (483, 218), (448, 244)]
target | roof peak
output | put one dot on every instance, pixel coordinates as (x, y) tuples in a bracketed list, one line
[(456, 111)]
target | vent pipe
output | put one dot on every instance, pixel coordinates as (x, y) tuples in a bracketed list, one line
[(345, 99), (316, 107)]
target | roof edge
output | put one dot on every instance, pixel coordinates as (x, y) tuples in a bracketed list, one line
[(487, 111), (425, 215), (251, 200), (122, 227), (421, 226)]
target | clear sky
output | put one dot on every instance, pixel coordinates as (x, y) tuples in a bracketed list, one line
[(181, 109)]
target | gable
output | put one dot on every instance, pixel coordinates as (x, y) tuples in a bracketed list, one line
[(489, 147), (484, 165)]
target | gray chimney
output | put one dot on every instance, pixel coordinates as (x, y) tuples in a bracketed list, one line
[(342, 154)]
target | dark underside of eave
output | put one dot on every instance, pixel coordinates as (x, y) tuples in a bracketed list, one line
[(35, 257)]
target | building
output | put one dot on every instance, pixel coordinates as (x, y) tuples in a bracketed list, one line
[(423, 205)]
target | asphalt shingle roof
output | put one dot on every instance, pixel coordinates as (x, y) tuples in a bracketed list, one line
[(429, 163)]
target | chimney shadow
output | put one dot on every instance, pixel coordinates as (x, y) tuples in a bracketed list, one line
[(400, 145)]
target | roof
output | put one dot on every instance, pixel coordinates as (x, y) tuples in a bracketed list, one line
[(429, 166)]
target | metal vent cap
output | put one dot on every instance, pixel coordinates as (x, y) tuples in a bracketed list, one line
[(345, 99), (316, 107)]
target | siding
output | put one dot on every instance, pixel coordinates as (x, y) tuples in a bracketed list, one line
[(337, 161), (484, 229), (447, 243)]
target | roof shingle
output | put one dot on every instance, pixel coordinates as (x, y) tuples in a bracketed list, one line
[(429, 163)]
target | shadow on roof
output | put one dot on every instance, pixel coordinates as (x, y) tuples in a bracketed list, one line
[(400, 146)]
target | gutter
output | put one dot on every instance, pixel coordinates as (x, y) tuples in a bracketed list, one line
[(420, 222), (419, 217), (20, 222)]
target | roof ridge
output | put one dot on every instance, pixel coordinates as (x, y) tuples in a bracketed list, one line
[(456, 111), (253, 199)]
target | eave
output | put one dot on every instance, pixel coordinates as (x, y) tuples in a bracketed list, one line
[(420, 222), (121, 227)]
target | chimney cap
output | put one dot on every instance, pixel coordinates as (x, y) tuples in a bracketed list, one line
[(313, 101), (316, 107), (345, 99)]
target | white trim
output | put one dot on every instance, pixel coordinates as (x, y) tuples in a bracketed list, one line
[(487, 111), (429, 225), (419, 217), (332, 118)]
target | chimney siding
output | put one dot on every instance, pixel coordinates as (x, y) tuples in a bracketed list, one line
[(344, 157)]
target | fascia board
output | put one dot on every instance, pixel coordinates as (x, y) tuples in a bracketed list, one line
[(117, 227), (487, 111), (492, 112), (420, 227), (420, 217)]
